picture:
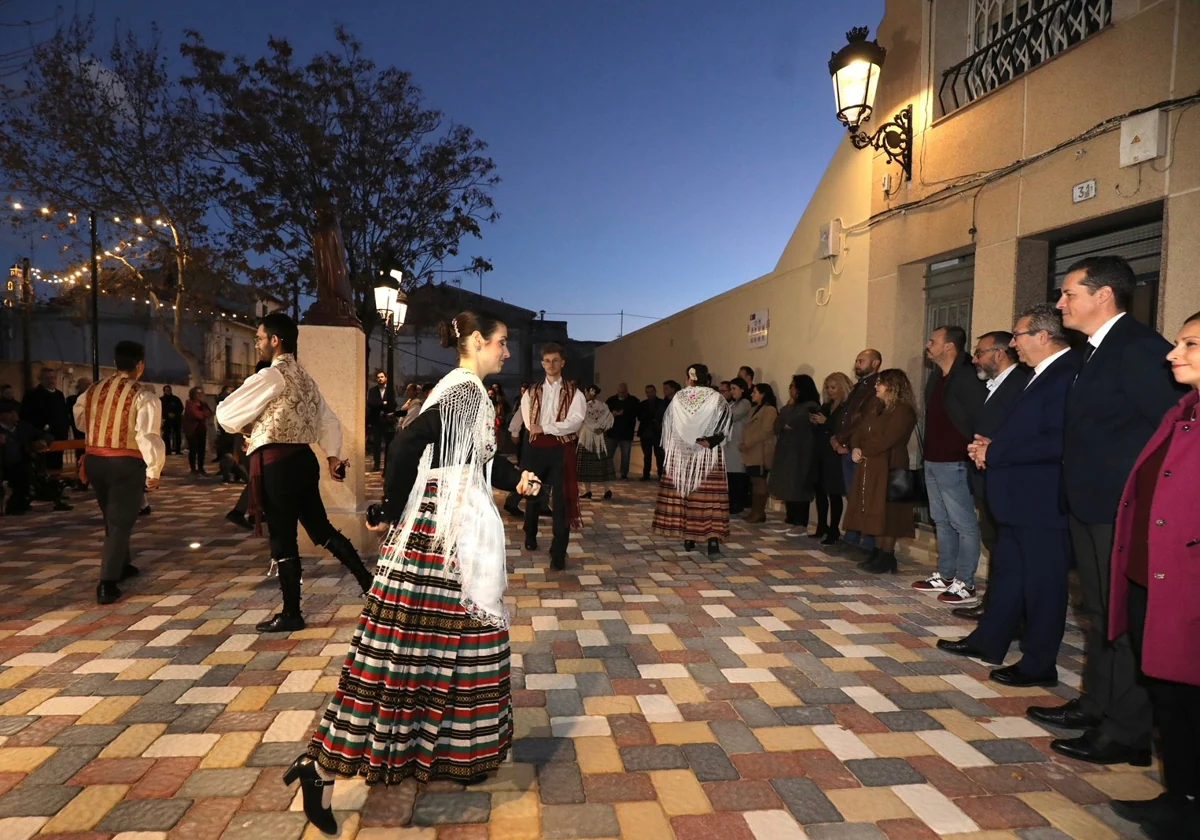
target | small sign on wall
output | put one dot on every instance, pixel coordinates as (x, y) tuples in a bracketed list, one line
[(1084, 191), (760, 322)]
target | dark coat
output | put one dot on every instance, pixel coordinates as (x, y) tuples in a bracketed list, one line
[(883, 438), (995, 410), (171, 405), (380, 406), (47, 411), (622, 428), (827, 463), (791, 478), (1024, 460), (963, 395), (861, 403), (1116, 404), (650, 419), (1171, 650)]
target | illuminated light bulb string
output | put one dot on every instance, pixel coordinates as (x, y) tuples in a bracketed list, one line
[(72, 276)]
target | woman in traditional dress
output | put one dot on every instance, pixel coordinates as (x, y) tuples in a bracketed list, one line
[(879, 445), (693, 497), (593, 461), (739, 412), (424, 691)]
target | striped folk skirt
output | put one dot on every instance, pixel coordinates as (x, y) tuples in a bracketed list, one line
[(424, 690), (592, 467), (703, 515)]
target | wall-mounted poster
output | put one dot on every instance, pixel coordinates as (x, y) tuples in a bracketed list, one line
[(757, 330)]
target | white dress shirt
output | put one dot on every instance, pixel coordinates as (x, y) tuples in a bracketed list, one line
[(1045, 363), (240, 409), (551, 396), (1098, 336), (993, 385), (147, 424)]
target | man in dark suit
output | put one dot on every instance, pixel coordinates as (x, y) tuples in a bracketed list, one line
[(172, 414), (997, 364), (650, 420), (1116, 403), (45, 408), (381, 415), (1022, 463)]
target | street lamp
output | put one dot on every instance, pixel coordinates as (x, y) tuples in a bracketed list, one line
[(855, 71), (391, 306)]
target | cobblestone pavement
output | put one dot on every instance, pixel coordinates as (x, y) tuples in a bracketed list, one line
[(774, 692)]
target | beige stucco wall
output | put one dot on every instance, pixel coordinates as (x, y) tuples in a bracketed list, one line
[(804, 337), (1147, 56)]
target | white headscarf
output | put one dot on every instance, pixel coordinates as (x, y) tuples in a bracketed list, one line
[(693, 413)]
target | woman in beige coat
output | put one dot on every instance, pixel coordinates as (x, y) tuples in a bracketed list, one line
[(879, 445), (758, 448)]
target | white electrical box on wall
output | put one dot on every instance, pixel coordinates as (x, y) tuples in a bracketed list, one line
[(831, 239), (1143, 137)]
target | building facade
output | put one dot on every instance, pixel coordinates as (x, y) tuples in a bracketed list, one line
[(1018, 112)]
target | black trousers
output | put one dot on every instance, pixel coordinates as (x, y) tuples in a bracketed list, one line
[(172, 435), (19, 476), (1027, 579), (1176, 712), (382, 439), (547, 464), (197, 446), (291, 496), (651, 451), (739, 491), (120, 484), (829, 512), (1110, 671)]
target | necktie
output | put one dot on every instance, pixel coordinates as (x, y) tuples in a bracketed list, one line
[(1088, 350)]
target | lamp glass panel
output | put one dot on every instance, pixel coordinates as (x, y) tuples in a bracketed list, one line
[(385, 300), (399, 311), (854, 87)]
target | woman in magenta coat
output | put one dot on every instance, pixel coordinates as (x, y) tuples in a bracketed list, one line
[(1156, 595)]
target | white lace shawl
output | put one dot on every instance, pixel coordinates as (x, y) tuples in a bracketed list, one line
[(693, 413), (468, 531), (596, 421)]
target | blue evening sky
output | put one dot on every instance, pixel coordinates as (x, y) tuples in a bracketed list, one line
[(653, 153)]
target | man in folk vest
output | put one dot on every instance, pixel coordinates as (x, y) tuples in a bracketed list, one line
[(284, 413), (553, 412), (125, 455)]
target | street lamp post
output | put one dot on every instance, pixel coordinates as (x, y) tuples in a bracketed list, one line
[(855, 71), (95, 298), (391, 305)]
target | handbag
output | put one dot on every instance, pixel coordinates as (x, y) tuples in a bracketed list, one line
[(908, 485)]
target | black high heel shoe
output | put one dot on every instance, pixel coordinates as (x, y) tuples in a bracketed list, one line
[(688, 545), (313, 787), (714, 547), (586, 495)]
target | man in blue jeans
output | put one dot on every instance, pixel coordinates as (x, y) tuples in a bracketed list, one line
[(866, 371), (954, 397)]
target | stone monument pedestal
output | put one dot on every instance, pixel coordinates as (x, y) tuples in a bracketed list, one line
[(336, 357)]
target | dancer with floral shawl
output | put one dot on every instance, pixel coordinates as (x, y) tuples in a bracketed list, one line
[(693, 498), (595, 462), (424, 691)]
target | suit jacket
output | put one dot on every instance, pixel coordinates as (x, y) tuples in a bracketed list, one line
[(1114, 407), (1024, 460), (377, 405), (992, 415), (963, 395)]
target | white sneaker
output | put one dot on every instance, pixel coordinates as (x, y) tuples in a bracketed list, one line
[(933, 584), (784, 530), (797, 532), (959, 593)]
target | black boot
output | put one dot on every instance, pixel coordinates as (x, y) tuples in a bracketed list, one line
[(688, 545), (831, 536), (885, 563), (871, 560), (714, 546), (343, 550), (290, 619), (319, 812)]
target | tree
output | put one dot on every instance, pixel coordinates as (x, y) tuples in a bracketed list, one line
[(408, 185), (116, 134)]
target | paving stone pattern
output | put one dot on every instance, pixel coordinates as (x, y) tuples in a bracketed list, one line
[(774, 692)]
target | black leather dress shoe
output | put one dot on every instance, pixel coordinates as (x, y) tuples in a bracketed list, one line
[(1162, 809), (1012, 675), (1095, 747), (107, 592), (1069, 716), (281, 623), (963, 648), (558, 564), (531, 543), (973, 613)]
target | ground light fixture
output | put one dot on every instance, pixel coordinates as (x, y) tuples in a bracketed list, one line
[(855, 70)]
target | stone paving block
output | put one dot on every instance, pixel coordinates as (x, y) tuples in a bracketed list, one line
[(908, 721), (567, 822), (849, 831), (805, 800), (203, 784), (264, 824), (279, 754), (805, 715), (884, 772), (664, 757), (36, 800), (735, 737), (63, 765), (540, 750), (452, 808), (1010, 751), (560, 783), (709, 762), (145, 815)]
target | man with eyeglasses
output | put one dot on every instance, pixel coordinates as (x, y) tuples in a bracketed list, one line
[(553, 412), (997, 365)]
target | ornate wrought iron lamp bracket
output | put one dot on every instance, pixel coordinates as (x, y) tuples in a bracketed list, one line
[(894, 139)]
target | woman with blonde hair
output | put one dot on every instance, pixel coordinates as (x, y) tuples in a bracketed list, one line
[(878, 446), (830, 485)]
